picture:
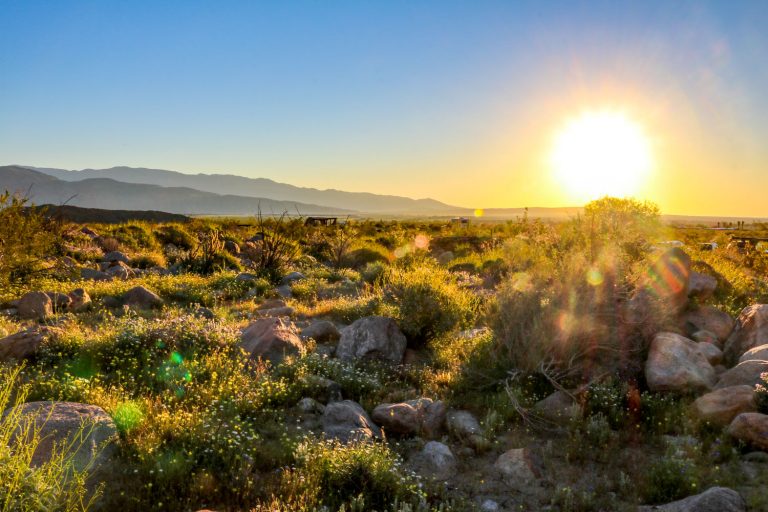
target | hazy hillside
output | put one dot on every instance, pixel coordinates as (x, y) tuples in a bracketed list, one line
[(110, 194), (261, 187)]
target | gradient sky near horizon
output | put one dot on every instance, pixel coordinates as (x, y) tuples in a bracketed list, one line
[(458, 101)]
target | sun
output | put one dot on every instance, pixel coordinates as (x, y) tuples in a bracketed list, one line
[(599, 153)]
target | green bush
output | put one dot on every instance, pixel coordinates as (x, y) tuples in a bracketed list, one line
[(177, 235), (668, 479), (428, 301), (370, 252), (148, 260), (134, 237)]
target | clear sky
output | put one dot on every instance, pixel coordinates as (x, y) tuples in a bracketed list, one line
[(459, 101)]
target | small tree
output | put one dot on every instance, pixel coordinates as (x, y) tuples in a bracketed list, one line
[(275, 245), (27, 237), (627, 223)]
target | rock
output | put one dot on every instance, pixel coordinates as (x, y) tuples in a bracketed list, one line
[(90, 429), (140, 297), (284, 291), (94, 275), (245, 276), (35, 306), (292, 277), (372, 337), (325, 350), (284, 311), (489, 506), (59, 301), (271, 339), (707, 318), (705, 337), (435, 461), (519, 469), (714, 499), (89, 232), (559, 408), (272, 304), (310, 406), (745, 373), (668, 278), (750, 428), (116, 256), (322, 389), (421, 416), (120, 271), (464, 426), (80, 300), (721, 406), (322, 331), (701, 286), (347, 421), (232, 247), (759, 353), (713, 354), (751, 331), (445, 257), (676, 364), (24, 344), (206, 313)]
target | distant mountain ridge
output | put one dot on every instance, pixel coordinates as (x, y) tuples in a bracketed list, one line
[(228, 184), (110, 194)]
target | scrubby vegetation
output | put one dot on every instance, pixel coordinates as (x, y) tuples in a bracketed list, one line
[(493, 319)]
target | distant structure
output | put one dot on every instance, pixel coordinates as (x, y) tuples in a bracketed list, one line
[(461, 221), (321, 221)]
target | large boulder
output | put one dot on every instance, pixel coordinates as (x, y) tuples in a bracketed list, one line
[(322, 331), (292, 278), (758, 353), (23, 344), (120, 270), (709, 350), (701, 286), (520, 469), (142, 298), (271, 339), (464, 426), (35, 306), (745, 373), (675, 363), (559, 408), (720, 406), (435, 461), (708, 318), (750, 428), (714, 499), (751, 331), (114, 256), (59, 301), (347, 421), (88, 428), (80, 300), (94, 275), (372, 337), (421, 416)]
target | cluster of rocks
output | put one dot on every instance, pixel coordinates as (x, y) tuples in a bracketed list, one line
[(42, 305)]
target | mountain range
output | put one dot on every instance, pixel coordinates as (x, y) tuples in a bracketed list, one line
[(131, 188)]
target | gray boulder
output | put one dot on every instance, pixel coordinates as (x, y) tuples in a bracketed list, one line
[(141, 297), (675, 363), (745, 373), (116, 256), (372, 337), (292, 277), (346, 421), (708, 318), (271, 339), (435, 461), (559, 408), (520, 469), (79, 300), (94, 275), (759, 353), (24, 344), (751, 331), (35, 306), (714, 499), (701, 286), (720, 406), (322, 331), (750, 428), (421, 416)]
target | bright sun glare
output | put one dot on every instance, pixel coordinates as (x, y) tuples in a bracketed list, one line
[(601, 153)]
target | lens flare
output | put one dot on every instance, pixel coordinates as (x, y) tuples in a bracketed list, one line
[(595, 277), (421, 241), (479, 212)]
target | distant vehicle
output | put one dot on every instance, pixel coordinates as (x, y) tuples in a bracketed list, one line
[(670, 243), (708, 246)]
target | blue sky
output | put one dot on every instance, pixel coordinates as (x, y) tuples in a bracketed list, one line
[(452, 100)]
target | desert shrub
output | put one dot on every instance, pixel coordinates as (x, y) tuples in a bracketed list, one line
[(276, 246), (334, 475), (669, 478), (27, 238), (372, 272), (177, 235), (108, 243), (367, 253), (148, 260), (53, 485), (208, 256), (134, 236), (428, 301)]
